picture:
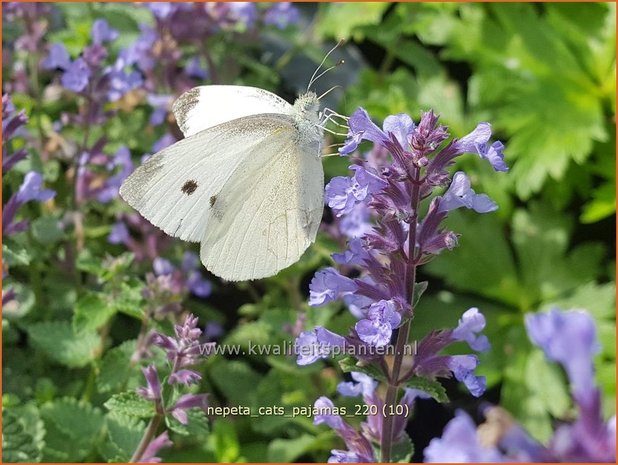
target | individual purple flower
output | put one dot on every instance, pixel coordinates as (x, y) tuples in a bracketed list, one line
[(31, 189), (119, 233), (463, 367), (477, 142), (111, 186), (185, 402), (158, 443), (152, 391), (194, 69), (101, 32), (185, 377), (161, 105), (121, 81), (460, 443), (140, 51), (377, 328), (281, 15), (12, 124), (327, 285), (362, 385), (343, 193), (76, 76), (460, 194), (356, 223), (470, 324), (162, 266), (318, 343), (57, 58)]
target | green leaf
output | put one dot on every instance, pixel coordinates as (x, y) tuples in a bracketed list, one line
[(402, 451), (59, 342), (47, 230), (419, 289), (223, 441), (339, 20), (130, 404), (288, 450), (349, 364), (71, 422), (232, 378), (129, 300), (124, 435), (15, 255), (197, 425), (116, 369), (546, 381), (91, 312), (19, 444), (430, 386)]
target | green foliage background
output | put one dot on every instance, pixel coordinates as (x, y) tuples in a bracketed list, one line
[(543, 74)]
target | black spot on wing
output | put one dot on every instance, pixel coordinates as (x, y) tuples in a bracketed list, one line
[(213, 199), (189, 187)]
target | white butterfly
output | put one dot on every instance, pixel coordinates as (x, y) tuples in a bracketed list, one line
[(246, 182)]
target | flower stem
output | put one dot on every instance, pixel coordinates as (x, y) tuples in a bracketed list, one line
[(404, 331), (149, 434)]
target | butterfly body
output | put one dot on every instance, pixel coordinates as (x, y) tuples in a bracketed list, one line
[(246, 182)]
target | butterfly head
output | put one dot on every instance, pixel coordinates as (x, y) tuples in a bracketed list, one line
[(307, 118)]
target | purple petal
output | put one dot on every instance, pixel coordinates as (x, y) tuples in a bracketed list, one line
[(327, 285), (101, 32), (185, 377), (472, 322), (30, 189), (402, 126), (459, 194), (76, 76), (58, 57)]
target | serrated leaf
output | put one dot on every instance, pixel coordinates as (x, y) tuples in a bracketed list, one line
[(91, 312), (58, 341), (402, 451), (349, 364), (431, 387), (197, 424), (130, 300), (115, 369), (130, 404), (124, 434), (18, 444), (15, 255), (69, 421)]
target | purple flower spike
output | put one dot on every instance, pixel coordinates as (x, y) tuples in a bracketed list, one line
[(327, 285), (152, 391), (382, 319), (315, 344), (476, 142), (101, 32), (57, 58), (460, 194), (31, 189), (76, 76), (471, 323), (158, 443)]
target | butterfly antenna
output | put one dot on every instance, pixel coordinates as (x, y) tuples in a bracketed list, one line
[(329, 90), (313, 77)]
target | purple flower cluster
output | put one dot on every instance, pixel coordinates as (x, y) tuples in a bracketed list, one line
[(183, 350), (568, 338), (407, 165), (383, 253), (139, 236)]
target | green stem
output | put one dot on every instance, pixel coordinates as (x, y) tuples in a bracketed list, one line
[(404, 331), (149, 434)]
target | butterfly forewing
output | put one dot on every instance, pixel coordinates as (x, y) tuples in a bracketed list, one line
[(204, 107)]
